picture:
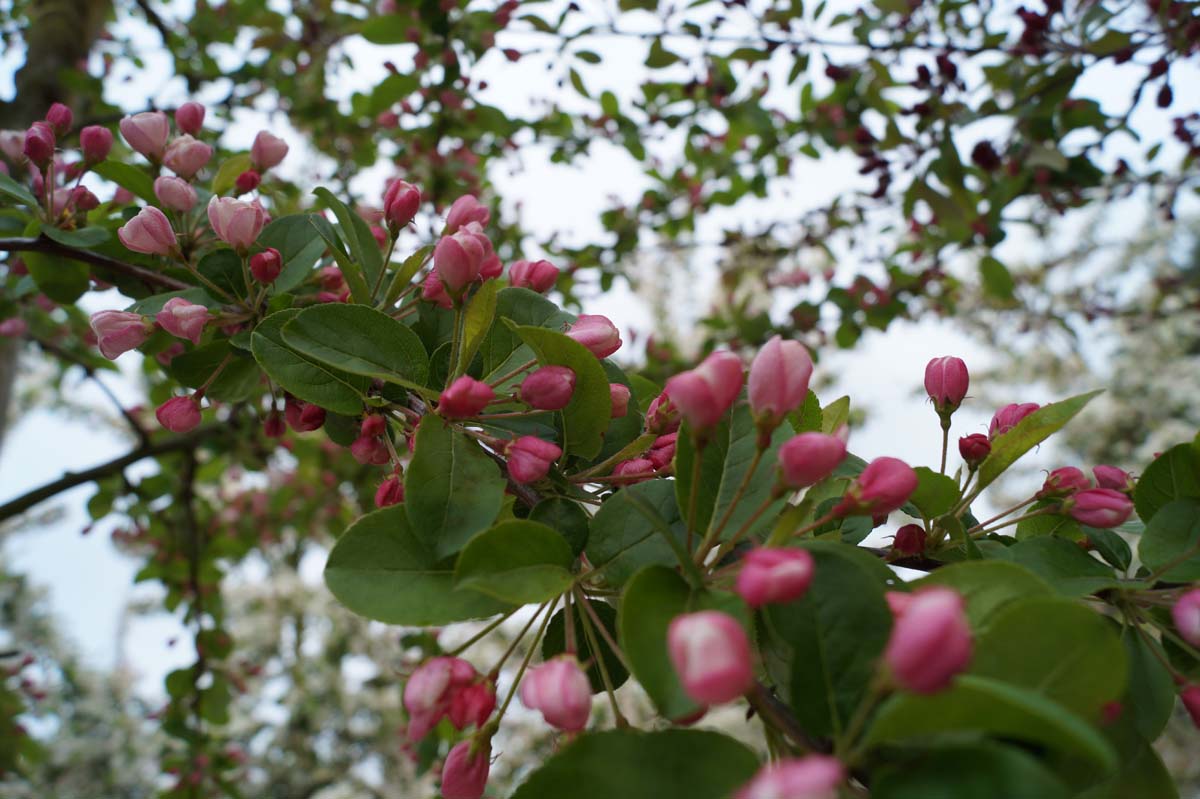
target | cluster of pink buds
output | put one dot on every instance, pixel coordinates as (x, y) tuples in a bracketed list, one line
[(447, 687), (370, 448)]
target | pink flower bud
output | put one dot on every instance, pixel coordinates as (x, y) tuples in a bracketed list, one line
[(1007, 417), (808, 458), (538, 276), (529, 459), (179, 414), (1064, 481), (149, 232), (147, 133), (549, 388), (597, 333), (273, 426), (634, 470), (946, 382), (39, 144), (433, 291), (183, 319), (303, 417), (705, 393), (472, 704), (185, 156), (390, 492), (772, 574), (491, 267), (95, 142), (465, 774), (122, 196), (175, 193), (189, 118), (974, 449), (401, 202), (60, 119), (1114, 478), (909, 540), (811, 777), (370, 451), (561, 691), (897, 602), (618, 396), (265, 266), (425, 695), (711, 654), (119, 331), (267, 151), (1191, 702), (883, 486), (1099, 507), (457, 260), (930, 641), (662, 416), (83, 200), (464, 210), (465, 397), (779, 379), (247, 182), (13, 327), (662, 451), (1186, 613), (235, 222)]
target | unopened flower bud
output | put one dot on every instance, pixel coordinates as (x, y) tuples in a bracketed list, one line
[(60, 118), (808, 458), (774, 574), (465, 397), (247, 181), (946, 382), (95, 141), (549, 388), (179, 414), (1099, 507), (705, 393), (390, 492), (618, 396), (810, 777), (465, 774), (974, 449), (118, 332), (883, 486), (183, 319), (1062, 482), (538, 276), (778, 381), (597, 333), (909, 541), (147, 133), (1007, 417), (560, 690), (930, 641), (711, 654), (185, 156), (174, 193), (1114, 478), (530, 458), (189, 118), (464, 210), (265, 266), (267, 151), (39, 144)]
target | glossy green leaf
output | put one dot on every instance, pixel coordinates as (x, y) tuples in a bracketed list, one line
[(360, 340), (307, 378), (834, 415), (987, 586), (299, 245), (405, 272), (227, 173), (1062, 564), (712, 466), (356, 233), (649, 602), (1151, 689), (519, 562), (555, 643), (626, 532), (981, 771), (502, 350), (238, 380), (477, 321), (84, 238), (739, 456), (127, 176), (565, 517), (223, 268), (936, 493), (351, 270), (1170, 536), (61, 279), (1173, 475), (16, 191), (1027, 434)]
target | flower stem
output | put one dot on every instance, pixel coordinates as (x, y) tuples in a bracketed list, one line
[(605, 678), (528, 657), (715, 530), (458, 650), (509, 375)]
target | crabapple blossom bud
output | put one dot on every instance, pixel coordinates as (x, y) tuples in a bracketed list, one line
[(185, 156), (433, 291), (119, 331), (189, 118), (711, 654), (811, 777), (1114, 478), (83, 200), (373, 425), (946, 382), (909, 540), (1064, 481), (465, 774), (267, 151), (95, 141), (930, 641), (400, 204), (370, 451), (273, 426), (122, 196), (457, 259), (174, 193), (633, 470), (560, 691), (302, 416), (1191, 702), (39, 144), (390, 492), (774, 574), (13, 327), (465, 397), (235, 222), (897, 602), (1007, 417), (149, 232), (538, 276), (974, 449), (883, 486), (147, 133), (529, 459), (662, 451), (60, 118), (464, 210), (426, 692), (549, 388), (1186, 613), (662, 416), (1099, 507), (705, 393), (472, 704), (597, 333), (618, 396), (247, 181), (490, 267), (183, 319), (778, 381), (808, 458), (179, 414), (265, 266)]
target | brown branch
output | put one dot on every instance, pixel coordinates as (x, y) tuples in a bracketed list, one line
[(138, 428), (49, 246), (778, 715)]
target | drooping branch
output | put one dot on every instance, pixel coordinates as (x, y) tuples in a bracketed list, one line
[(49, 246)]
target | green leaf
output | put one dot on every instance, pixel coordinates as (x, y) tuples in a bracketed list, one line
[(227, 173), (835, 634), (712, 465), (364, 250), (936, 493), (61, 279), (739, 455), (982, 771), (1173, 475), (1061, 563), (380, 569), (502, 349), (1049, 524), (629, 764), (299, 245), (554, 643), (1151, 689), (308, 379), (386, 29), (1027, 434), (518, 562), (1141, 775), (626, 531), (566, 517), (659, 56), (834, 415), (997, 281), (128, 177), (650, 601), (1170, 535), (452, 489), (587, 415), (15, 191), (988, 706), (809, 418), (351, 269), (360, 340), (405, 273), (478, 319), (83, 238), (224, 268), (1111, 547), (987, 586), (238, 379)]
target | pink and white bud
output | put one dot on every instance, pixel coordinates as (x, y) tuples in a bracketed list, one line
[(175, 193), (60, 118), (265, 266), (433, 291), (811, 777), (183, 319), (401, 202), (634, 470), (618, 396), (147, 133), (118, 332), (427, 692), (662, 416), (82, 199), (39, 144), (538, 276), (705, 393), (946, 382), (149, 232), (472, 704), (189, 118), (883, 486), (530, 458), (1114, 478), (267, 151), (597, 333), (778, 381), (235, 222), (95, 141), (464, 210), (549, 388), (179, 414), (711, 654), (808, 458), (465, 397), (910, 541), (974, 449), (185, 156), (560, 690), (774, 574), (1186, 614), (456, 260), (1007, 417), (662, 451), (930, 642), (1064, 481), (465, 774), (1099, 507)]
